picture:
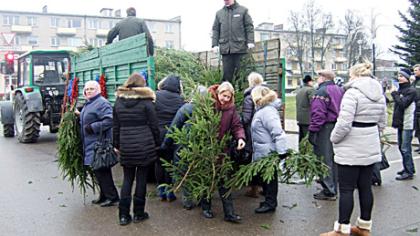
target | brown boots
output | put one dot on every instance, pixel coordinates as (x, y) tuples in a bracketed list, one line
[(362, 228), (339, 230)]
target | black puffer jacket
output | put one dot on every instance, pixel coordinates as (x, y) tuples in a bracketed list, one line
[(403, 99), (168, 101), (248, 111), (135, 126)]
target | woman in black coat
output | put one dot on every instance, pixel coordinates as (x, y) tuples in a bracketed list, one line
[(136, 136), (168, 101)]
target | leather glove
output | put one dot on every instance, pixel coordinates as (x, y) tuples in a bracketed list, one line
[(283, 156), (312, 137), (251, 45), (88, 129), (395, 93)]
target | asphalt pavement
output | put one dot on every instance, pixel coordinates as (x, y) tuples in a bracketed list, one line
[(35, 200)]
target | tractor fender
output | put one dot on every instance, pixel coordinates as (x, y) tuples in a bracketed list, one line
[(6, 112), (34, 101)]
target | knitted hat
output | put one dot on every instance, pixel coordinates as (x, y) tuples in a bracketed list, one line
[(307, 79), (405, 72)]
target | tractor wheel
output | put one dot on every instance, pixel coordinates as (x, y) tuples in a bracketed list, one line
[(9, 131), (27, 123)]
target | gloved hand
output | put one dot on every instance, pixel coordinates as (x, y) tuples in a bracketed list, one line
[(88, 129), (283, 156), (215, 49), (312, 137), (395, 93), (251, 45)]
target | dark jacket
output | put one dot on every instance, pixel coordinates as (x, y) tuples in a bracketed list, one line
[(128, 27), (230, 121), (248, 111), (136, 132), (233, 29), (182, 116), (404, 98), (303, 104), (97, 113), (168, 101), (416, 85), (325, 105)]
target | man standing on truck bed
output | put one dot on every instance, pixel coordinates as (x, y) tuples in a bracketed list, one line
[(233, 35), (131, 26)]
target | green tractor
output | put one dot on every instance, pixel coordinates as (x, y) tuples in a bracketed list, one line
[(38, 96)]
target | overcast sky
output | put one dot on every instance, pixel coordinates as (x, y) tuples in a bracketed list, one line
[(197, 16)]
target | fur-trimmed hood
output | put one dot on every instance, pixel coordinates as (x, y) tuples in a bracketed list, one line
[(136, 93), (267, 99), (213, 92)]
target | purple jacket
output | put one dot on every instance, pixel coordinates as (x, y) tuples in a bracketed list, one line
[(325, 105)]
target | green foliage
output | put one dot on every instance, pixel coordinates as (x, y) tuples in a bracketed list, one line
[(203, 164), (408, 50), (171, 61), (305, 164), (70, 154)]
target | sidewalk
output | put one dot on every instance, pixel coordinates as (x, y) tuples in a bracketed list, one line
[(292, 127)]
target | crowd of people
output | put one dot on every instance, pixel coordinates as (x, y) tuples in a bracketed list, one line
[(337, 119)]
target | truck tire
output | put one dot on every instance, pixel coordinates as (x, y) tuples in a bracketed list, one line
[(9, 131), (27, 123)]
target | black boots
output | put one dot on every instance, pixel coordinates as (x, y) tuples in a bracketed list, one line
[(139, 213), (124, 214), (230, 216)]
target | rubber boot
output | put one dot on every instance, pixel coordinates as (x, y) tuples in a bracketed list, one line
[(362, 228), (138, 209), (124, 211), (339, 230)]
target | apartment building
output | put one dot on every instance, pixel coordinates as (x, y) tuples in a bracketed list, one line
[(334, 58), (24, 31)]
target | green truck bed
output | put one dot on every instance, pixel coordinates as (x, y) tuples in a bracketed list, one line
[(116, 61)]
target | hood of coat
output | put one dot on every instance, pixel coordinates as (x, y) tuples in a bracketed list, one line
[(171, 83), (267, 99), (371, 88), (213, 92), (131, 96)]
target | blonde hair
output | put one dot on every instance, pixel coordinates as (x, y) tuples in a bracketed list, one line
[(416, 66), (255, 79), (259, 94), (225, 86), (361, 69)]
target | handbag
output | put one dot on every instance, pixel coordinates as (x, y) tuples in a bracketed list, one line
[(383, 164), (104, 155)]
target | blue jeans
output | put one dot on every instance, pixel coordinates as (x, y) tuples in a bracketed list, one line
[(404, 145)]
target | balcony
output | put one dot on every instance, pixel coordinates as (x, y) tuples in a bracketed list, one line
[(66, 31), (101, 32), (340, 59), (22, 29)]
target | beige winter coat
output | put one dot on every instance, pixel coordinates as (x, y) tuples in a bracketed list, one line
[(363, 102)]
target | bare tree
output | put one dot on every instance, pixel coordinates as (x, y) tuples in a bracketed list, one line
[(356, 39), (298, 42), (324, 40), (311, 15)]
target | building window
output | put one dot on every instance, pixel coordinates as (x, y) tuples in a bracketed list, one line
[(333, 66), (111, 24), (74, 42), (169, 44), (93, 24), (10, 20), (16, 40), (31, 20), (55, 41), (169, 28), (100, 42), (289, 82), (55, 22), (33, 40), (74, 23), (264, 36)]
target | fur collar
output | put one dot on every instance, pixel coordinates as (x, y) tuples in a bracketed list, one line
[(136, 93)]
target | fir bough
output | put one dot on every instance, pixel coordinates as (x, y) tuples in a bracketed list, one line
[(70, 154), (202, 164)]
